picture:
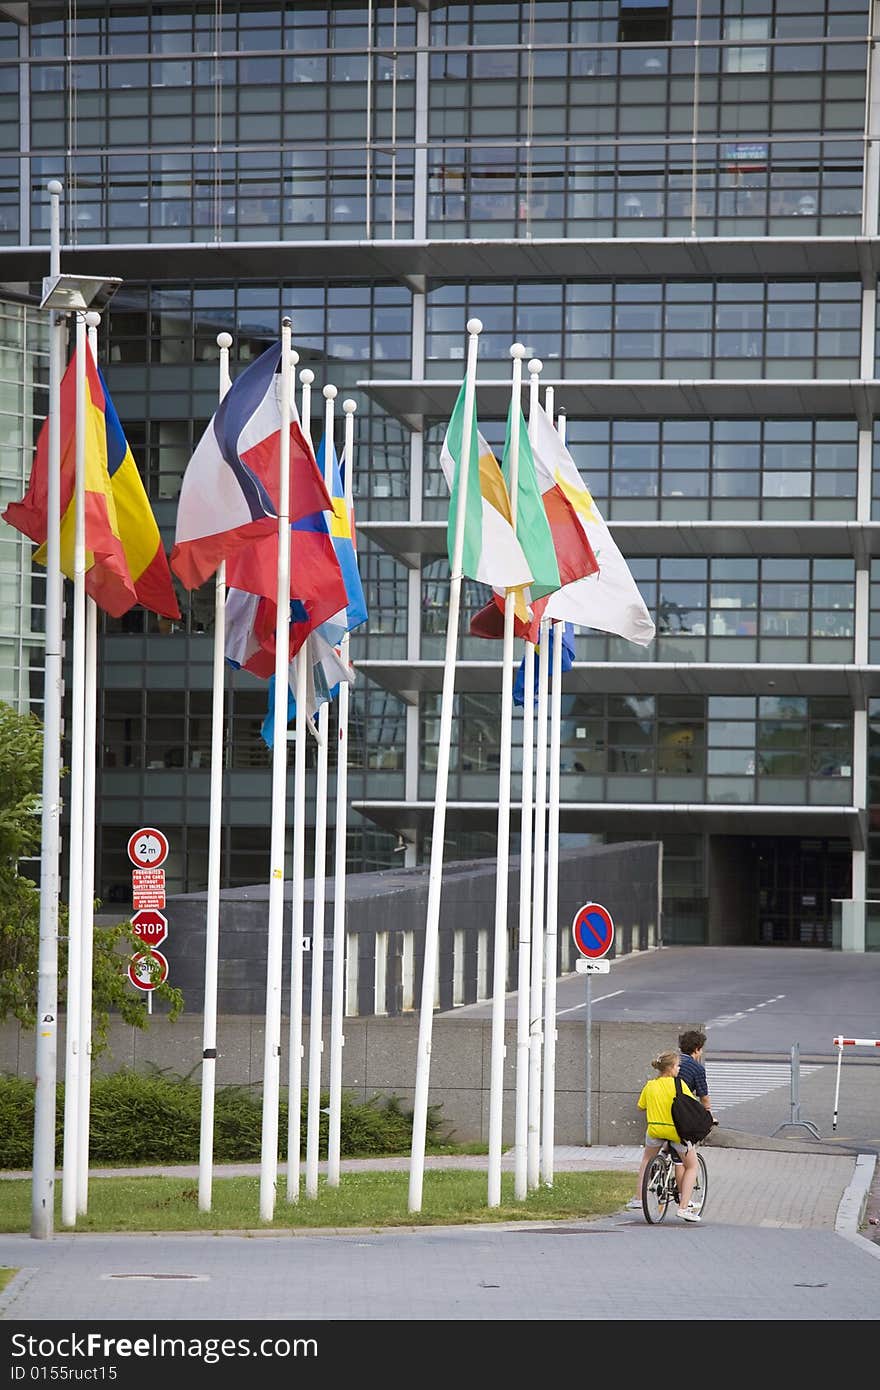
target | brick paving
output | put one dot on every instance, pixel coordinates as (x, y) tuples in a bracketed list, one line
[(768, 1249)]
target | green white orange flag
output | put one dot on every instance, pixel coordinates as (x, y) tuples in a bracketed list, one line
[(574, 554), (532, 527), (492, 553)]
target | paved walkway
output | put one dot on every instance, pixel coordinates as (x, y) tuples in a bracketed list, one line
[(779, 1241)]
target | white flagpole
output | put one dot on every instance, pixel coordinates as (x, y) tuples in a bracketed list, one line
[(435, 873), (215, 846), (502, 861), (88, 871), (297, 918), (537, 943), (297, 883), (75, 862), (43, 1172), (337, 1002), (316, 1002), (551, 950), (550, 947), (272, 1040), (520, 1181)]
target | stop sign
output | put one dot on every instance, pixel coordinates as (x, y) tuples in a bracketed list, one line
[(150, 926), (142, 967)]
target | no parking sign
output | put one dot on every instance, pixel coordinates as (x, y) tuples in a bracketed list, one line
[(593, 930)]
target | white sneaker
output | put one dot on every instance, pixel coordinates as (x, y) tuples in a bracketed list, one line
[(687, 1215), (634, 1204)]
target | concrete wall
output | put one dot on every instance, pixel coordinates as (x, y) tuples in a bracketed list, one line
[(380, 1057), (625, 878)]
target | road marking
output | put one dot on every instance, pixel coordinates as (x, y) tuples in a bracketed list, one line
[(612, 995), (731, 1083), (724, 1020)]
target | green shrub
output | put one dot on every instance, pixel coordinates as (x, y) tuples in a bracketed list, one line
[(16, 1122), (155, 1117)]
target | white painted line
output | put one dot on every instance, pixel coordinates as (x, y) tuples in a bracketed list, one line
[(730, 1083), (725, 1019), (612, 995)]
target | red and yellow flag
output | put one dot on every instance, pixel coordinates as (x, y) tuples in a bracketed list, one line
[(125, 559)]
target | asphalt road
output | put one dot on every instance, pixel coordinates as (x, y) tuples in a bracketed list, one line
[(752, 1000), (755, 1004)]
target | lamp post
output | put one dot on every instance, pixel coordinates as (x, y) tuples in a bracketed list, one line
[(62, 295)]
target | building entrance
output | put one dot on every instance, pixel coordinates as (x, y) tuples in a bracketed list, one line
[(775, 891), (797, 880)]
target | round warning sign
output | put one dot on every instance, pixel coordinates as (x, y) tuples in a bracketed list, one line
[(148, 848), (593, 931), (146, 970)]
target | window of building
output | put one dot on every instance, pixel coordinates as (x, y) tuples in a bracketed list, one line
[(644, 21)]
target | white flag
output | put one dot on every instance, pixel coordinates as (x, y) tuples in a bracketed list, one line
[(610, 600)]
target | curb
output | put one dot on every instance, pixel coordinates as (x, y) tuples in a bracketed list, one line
[(851, 1211)]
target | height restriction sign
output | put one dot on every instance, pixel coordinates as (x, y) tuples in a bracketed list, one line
[(148, 848)]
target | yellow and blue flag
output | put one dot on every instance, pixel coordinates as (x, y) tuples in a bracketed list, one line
[(342, 533)]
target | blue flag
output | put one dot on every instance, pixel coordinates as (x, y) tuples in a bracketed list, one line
[(567, 660)]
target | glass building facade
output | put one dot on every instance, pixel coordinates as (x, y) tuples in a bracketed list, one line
[(675, 207)]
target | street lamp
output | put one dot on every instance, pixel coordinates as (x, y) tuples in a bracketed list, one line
[(68, 293), (62, 295)]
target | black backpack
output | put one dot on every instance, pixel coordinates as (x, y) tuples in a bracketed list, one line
[(691, 1118)]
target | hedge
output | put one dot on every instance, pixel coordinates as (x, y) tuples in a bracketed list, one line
[(154, 1117)]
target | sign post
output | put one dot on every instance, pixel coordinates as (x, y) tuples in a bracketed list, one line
[(148, 850), (593, 932)]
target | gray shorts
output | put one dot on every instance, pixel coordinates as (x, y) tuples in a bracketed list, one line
[(652, 1142)]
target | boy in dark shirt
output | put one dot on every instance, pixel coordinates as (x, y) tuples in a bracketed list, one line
[(691, 1070)]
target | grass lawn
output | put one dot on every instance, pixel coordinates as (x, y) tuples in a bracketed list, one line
[(449, 1197)]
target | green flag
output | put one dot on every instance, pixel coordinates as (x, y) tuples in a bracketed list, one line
[(532, 527), (492, 554)]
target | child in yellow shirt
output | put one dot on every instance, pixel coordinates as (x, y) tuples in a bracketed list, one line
[(656, 1100)]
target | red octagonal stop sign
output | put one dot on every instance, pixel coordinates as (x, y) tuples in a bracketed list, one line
[(150, 926)]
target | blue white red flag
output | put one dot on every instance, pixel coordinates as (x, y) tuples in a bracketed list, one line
[(230, 490), (325, 671)]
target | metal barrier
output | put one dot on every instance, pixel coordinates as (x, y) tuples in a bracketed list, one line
[(840, 1044), (796, 1097)]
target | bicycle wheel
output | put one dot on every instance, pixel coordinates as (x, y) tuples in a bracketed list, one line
[(701, 1187), (655, 1190)]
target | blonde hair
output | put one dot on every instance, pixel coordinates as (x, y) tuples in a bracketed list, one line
[(664, 1061)]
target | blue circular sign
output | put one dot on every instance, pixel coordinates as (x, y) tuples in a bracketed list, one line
[(593, 930)]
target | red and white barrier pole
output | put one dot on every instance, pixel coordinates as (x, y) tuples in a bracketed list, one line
[(840, 1044)]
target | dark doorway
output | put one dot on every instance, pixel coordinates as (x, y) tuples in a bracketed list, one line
[(775, 891), (797, 880)]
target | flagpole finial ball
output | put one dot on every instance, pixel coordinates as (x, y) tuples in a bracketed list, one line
[(330, 393), (536, 366), (294, 357), (224, 340), (55, 188), (474, 326), (307, 376), (285, 323), (92, 319), (517, 350), (349, 406)]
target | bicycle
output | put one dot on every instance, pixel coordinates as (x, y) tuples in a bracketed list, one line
[(660, 1190)]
